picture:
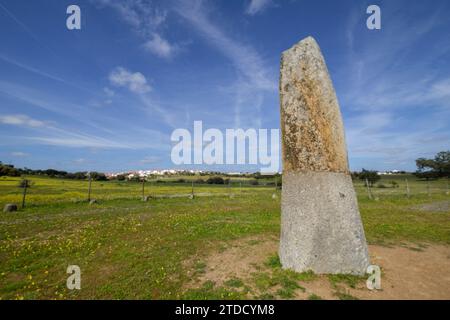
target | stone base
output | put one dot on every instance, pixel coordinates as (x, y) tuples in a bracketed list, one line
[(321, 227)]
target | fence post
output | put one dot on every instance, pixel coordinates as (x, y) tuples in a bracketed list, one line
[(89, 187), (143, 188), (368, 189), (25, 186), (192, 190), (408, 194)]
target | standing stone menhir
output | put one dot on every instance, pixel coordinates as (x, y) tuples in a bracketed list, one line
[(321, 227)]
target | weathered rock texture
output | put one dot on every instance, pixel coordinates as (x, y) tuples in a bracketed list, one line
[(321, 227)]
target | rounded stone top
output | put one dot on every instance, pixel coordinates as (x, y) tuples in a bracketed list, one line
[(311, 123)]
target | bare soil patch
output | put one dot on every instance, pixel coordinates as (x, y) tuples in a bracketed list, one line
[(408, 271)]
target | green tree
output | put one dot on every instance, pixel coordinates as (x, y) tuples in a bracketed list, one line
[(215, 180), (370, 175), (98, 176), (434, 168), (9, 170)]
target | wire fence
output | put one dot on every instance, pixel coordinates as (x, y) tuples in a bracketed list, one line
[(47, 190), (41, 190)]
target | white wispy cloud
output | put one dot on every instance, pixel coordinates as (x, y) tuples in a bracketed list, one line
[(53, 135), (31, 69), (67, 138), (109, 93), (41, 73), (21, 120), (81, 142), (149, 105), (397, 112), (150, 160), (25, 28), (134, 81), (253, 76), (146, 19), (19, 154), (160, 47), (244, 57), (378, 78), (74, 133), (37, 98), (257, 6)]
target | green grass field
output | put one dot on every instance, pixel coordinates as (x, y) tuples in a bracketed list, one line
[(130, 249)]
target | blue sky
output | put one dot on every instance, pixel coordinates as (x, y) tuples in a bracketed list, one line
[(107, 97)]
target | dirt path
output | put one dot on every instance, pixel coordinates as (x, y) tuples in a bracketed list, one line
[(408, 271)]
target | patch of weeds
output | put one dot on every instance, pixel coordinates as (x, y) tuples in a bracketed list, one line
[(266, 296), (345, 296), (288, 283), (351, 280), (273, 261), (314, 297), (415, 249), (208, 291), (263, 281), (200, 267), (287, 280), (234, 282), (306, 276), (285, 293), (253, 242)]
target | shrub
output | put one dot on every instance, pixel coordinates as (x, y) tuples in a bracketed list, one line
[(8, 170), (215, 180), (371, 176), (394, 184)]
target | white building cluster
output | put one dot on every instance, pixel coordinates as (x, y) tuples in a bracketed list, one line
[(387, 173), (150, 173)]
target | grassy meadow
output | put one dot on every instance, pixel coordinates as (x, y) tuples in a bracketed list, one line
[(131, 249)]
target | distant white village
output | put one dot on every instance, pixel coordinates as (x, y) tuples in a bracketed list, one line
[(383, 173), (176, 172), (150, 173), (166, 172)]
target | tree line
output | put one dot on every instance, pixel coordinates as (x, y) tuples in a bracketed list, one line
[(11, 171), (437, 167)]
